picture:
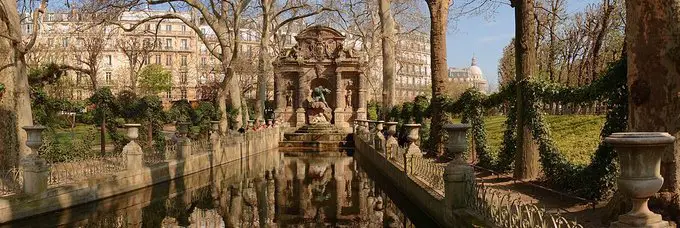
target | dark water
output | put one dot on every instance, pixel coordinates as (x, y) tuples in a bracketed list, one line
[(266, 190)]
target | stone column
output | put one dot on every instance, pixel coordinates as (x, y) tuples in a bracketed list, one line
[(35, 168), (302, 94), (339, 101), (279, 99), (183, 143), (132, 151), (361, 111)]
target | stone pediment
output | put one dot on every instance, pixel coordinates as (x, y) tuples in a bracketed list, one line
[(317, 44)]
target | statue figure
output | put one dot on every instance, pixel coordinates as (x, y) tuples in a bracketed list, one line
[(348, 98), (318, 94), (289, 98)]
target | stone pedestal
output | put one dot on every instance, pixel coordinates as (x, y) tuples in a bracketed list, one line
[(35, 174), (132, 151), (458, 175), (183, 143), (391, 143), (300, 117)]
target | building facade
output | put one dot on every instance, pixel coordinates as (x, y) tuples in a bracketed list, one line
[(469, 77)]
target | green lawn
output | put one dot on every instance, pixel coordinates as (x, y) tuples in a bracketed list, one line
[(64, 135), (576, 136)]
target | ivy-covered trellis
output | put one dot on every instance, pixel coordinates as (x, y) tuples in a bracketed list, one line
[(591, 181)]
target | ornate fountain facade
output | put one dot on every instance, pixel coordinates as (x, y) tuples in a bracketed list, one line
[(319, 81)]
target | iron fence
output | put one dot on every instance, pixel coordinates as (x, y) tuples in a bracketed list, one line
[(73, 171)]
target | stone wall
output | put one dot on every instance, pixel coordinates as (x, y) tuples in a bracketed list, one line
[(430, 201), (236, 148)]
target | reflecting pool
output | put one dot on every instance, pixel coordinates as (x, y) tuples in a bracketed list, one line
[(265, 190)]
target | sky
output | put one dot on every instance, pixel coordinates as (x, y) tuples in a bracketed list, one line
[(485, 36)]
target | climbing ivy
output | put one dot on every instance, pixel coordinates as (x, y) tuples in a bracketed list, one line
[(592, 181)]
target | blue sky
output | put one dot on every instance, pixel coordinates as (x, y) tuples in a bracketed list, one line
[(486, 35)]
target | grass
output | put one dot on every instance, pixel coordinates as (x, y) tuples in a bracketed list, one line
[(64, 135), (576, 136)]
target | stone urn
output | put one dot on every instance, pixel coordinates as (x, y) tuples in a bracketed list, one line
[(132, 131), (215, 126), (457, 140), (183, 128), (640, 178), (34, 139), (412, 138)]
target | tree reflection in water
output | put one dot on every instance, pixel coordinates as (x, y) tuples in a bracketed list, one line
[(269, 190)]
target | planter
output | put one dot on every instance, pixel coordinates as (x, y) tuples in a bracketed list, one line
[(640, 160), (457, 140), (34, 139), (215, 126), (412, 138), (132, 131)]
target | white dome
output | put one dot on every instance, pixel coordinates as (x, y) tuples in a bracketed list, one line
[(474, 70)]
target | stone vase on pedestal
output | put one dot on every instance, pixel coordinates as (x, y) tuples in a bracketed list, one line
[(458, 175), (183, 143), (640, 178), (391, 142), (35, 168), (132, 151), (412, 138), (378, 137)]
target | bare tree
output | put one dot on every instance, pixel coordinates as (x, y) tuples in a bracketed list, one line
[(439, 10), (274, 17), (137, 53), (13, 73)]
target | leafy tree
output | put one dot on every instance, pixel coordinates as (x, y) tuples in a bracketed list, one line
[(106, 108), (180, 111), (2, 90), (154, 79)]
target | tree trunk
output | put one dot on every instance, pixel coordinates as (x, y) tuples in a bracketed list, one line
[(653, 51), (389, 58), (9, 143), (263, 64), (526, 159), (102, 135), (439, 10)]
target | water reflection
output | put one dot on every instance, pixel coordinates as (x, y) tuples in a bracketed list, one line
[(267, 190)]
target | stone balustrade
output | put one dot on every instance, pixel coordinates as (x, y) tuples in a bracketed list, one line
[(46, 187)]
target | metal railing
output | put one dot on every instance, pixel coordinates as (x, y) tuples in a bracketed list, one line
[(153, 157), (504, 209), (428, 171), (11, 181), (200, 146), (74, 171)]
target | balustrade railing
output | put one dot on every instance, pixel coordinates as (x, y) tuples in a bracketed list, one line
[(11, 181), (430, 172), (504, 209), (200, 146), (153, 157), (495, 206), (74, 171)]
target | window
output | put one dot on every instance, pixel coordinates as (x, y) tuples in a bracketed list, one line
[(147, 27), (184, 28), (64, 42), (79, 78), (168, 60), (183, 77), (203, 31), (80, 95), (109, 60), (108, 77), (203, 61), (168, 94), (168, 43), (184, 60), (184, 93), (158, 59), (185, 44), (148, 59), (168, 27), (50, 17), (50, 42)]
